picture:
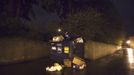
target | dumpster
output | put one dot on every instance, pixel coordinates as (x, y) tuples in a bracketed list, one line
[(65, 47)]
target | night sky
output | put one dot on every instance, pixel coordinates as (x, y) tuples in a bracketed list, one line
[(42, 18), (126, 10)]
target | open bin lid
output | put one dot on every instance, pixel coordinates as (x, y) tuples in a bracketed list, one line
[(68, 37), (78, 61), (57, 38), (79, 40)]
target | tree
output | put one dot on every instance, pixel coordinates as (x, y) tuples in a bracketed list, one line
[(93, 25), (111, 32), (17, 8), (63, 7), (85, 23), (11, 13)]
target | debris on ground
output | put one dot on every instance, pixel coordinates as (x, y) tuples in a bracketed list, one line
[(55, 67), (78, 63)]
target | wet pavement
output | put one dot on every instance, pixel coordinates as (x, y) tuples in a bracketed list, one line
[(116, 64)]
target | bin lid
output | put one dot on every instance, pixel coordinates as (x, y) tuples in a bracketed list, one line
[(78, 61), (57, 38), (68, 37)]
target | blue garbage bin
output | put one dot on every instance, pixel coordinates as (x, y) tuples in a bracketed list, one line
[(66, 48)]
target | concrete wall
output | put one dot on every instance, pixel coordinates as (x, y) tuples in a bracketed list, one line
[(95, 50), (18, 49)]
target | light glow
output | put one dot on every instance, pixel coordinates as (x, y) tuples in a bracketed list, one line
[(130, 57), (74, 66), (59, 30), (53, 48), (128, 41), (119, 47)]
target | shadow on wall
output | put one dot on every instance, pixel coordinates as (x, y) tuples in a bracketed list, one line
[(96, 50), (19, 49)]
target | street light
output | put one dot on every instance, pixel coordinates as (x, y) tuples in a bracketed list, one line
[(128, 41), (59, 30)]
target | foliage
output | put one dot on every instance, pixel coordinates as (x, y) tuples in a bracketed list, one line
[(93, 25), (112, 31), (52, 26), (63, 7), (11, 14), (91, 19), (16, 8), (85, 23)]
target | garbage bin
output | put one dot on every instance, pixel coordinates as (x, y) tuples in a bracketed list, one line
[(63, 48)]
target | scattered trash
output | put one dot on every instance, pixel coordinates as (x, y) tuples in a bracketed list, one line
[(55, 67), (78, 63)]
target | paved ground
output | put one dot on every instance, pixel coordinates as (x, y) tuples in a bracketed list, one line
[(115, 64)]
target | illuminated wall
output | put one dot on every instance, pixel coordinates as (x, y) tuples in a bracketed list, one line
[(131, 41), (95, 50), (17, 49)]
